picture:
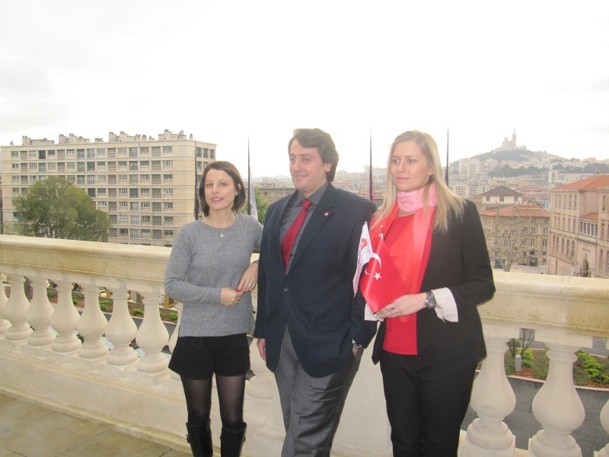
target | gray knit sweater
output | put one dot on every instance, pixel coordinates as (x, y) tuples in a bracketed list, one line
[(201, 263)]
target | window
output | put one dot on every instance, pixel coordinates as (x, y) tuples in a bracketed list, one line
[(167, 148), (91, 179), (133, 193), (132, 152), (112, 153), (122, 164), (156, 220), (134, 233), (168, 191), (91, 193), (101, 152), (144, 150), (156, 179), (123, 218), (168, 232), (145, 205), (123, 205), (134, 206), (112, 206), (101, 205), (135, 220), (156, 207), (101, 165), (112, 166), (80, 180), (101, 191), (145, 178), (167, 177), (145, 164), (112, 193), (168, 205), (168, 163), (80, 153), (112, 180), (144, 192), (168, 220), (156, 165), (133, 166), (123, 191), (113, 219), (132, 179), (156, 193)]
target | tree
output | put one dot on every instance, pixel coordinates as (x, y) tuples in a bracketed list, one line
[(56, 208), (261, 205)]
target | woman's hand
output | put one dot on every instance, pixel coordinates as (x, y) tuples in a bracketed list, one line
[(249, 278), (403, 306), (230, 297)]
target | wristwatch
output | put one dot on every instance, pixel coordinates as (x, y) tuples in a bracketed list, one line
[(430, 300), (356, 345)]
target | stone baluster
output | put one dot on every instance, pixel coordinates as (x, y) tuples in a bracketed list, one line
[(16, 310), (121, 330), (493, 399), (604, 452), (39, 314), (92, 325), (65, 319), (152, 337), (558, 408), (4, 324)]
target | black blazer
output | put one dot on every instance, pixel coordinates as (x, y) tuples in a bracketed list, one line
[(315, 299), (458, 260)]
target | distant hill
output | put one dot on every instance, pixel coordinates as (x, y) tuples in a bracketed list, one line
[(518, 155)]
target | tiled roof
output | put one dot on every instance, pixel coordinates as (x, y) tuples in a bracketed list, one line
[(594, 182), (502, 191), (517, 210)]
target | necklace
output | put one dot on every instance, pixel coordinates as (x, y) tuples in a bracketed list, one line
[(220, 230)]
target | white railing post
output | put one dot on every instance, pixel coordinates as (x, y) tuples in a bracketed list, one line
[(493, 399), (16, 309), (65, 319), (557, 407), (121, 330), (604, 452), (39, 314), (92, 325), (152, 337), (4, 324)]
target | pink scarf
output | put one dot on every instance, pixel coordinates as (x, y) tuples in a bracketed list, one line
[(401, 332)]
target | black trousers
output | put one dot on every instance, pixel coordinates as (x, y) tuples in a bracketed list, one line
[(425, 404)]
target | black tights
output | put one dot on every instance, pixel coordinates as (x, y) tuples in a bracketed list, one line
[(230, 394)]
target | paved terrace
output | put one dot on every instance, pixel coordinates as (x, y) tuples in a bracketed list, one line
[(116, 389)]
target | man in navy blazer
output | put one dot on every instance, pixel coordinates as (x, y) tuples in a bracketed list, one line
[(310, 326)]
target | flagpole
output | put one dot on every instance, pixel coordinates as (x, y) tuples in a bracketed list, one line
[(447, 143), (196, 186), (249, 179), (370, 183), (252, 209)]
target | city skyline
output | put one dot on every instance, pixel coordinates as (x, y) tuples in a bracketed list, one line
[(239, 72)]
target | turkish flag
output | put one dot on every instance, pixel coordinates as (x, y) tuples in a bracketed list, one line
[(380, 282)]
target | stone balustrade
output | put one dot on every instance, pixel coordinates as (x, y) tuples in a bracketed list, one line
[(84, 364)]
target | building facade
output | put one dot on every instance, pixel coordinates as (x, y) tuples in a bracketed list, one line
[(517, 234), (579, 233), (147, 186)]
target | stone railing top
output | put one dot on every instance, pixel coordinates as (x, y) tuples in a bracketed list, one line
[(572, 304)]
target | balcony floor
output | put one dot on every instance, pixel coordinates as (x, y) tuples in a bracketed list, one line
[(27, 429)]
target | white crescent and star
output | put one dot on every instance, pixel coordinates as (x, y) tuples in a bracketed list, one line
[(377, 275)]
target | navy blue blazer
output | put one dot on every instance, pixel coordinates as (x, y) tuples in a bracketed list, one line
[(458, 260), (315, 298)]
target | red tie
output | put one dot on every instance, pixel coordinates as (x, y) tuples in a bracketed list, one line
[(290, 236)]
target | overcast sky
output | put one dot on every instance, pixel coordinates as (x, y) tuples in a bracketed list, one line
[(226, 71)]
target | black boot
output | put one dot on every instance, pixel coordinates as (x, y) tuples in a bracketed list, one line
[(199, 437), (231, 441)]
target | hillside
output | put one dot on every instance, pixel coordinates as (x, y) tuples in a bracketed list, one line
[(520, 155)]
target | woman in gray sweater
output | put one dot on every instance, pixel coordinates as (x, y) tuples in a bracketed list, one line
[(209, 271)]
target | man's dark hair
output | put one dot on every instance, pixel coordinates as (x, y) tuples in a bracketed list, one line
[(316, 138)]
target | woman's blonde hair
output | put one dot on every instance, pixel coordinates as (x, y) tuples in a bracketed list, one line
[(447, 200)]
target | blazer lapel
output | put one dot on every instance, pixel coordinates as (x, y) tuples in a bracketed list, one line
[(322, 214)]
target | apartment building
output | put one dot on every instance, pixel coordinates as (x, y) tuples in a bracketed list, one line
[(579, 233), (517, 234), (146, 185)]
